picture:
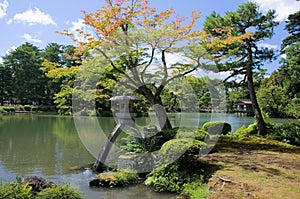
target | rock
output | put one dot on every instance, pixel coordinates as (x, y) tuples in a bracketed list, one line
[(102, 180), (94, 182), (37, 183)]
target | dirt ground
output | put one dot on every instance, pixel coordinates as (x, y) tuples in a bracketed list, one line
[(254, 168)]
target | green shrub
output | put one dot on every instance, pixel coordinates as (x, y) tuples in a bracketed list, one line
[(27, 107), (118, 178), (19, 190), (289, 133), (198, 134), (217, 127), (195, 190), (167, 178), (2, 110), (44, 108), (126, 176), (181, 149), (15, 190), (64, 110), (59, 192), (6, 108), (35, 108)]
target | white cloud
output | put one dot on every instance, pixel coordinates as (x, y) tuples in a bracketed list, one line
[(283, 7), (11, 49), (3, 8), (33, 17), (79, 25), (283, 56), (266, 45), (1, 60), (31, 39)]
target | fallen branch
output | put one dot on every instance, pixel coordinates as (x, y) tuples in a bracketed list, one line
[(226, 180)]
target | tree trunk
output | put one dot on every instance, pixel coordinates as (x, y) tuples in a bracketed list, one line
[(155, 100), (262, 130), (161, 115)]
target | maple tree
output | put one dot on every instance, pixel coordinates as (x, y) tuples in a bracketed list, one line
[(134, 42)]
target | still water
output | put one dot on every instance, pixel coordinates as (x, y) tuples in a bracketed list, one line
[(48, 145)]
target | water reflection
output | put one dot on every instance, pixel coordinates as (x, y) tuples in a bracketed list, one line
[(44, 144), (48, 145)]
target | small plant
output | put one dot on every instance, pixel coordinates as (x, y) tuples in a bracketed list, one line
[(15, 190), (126, 176), (195, 190), (167, 178), (59, 192), (119, 178)]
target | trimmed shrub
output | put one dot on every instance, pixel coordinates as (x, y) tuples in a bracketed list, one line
[(2, 110), (198, 134), (35, 108), (27, 107), (217, 127), (181, 150), (6, 108)]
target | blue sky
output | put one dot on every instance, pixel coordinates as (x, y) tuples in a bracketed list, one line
[(36, 21)]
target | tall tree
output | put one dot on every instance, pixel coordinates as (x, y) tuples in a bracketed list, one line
[(28, 79), (5, 84), (129, 37), (57, 57), (242, 58), (291, 48)]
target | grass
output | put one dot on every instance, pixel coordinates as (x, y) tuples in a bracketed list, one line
[(254, 167)]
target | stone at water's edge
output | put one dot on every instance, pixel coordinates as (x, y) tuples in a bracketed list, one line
[(103, 181), (126, 162), (37, 183)]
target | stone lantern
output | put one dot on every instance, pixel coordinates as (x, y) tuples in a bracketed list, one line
[(123, 111), (124, 108)]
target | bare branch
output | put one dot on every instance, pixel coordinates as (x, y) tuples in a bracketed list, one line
[(149, 63), (117, 69)]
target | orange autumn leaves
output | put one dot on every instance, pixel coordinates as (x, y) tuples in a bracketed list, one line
[(119, 17)]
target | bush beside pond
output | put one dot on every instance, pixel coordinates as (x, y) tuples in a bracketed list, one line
[(112, 179), (217, 127), (289, 133), (25, 190)]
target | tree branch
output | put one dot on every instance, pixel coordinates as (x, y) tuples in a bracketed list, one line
[(116, 68), (149, 63)]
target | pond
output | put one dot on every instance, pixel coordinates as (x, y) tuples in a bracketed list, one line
[(48, 145)]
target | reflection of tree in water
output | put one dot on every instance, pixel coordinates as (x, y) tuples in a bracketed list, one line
[(40, 144)]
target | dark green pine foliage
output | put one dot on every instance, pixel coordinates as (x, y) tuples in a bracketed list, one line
[(242, 58)]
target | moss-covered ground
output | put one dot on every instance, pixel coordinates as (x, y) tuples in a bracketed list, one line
[(254, 167)]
